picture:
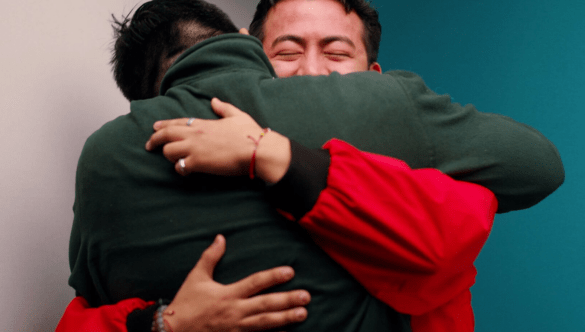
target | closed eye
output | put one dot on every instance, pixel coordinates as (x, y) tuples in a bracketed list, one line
[(288, 56), (337, 56)]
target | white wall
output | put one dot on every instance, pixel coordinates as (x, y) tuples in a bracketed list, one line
[(56, 89)]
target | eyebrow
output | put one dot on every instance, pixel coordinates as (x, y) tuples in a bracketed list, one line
[(323, 42), (293, 38), (331, 39)]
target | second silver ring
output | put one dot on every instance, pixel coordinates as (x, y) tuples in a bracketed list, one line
[(182, 165)]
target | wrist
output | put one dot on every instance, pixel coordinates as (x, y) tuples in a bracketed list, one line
[(252, 163), (306, 177), (159, 321), (273, 157), (168, 327)]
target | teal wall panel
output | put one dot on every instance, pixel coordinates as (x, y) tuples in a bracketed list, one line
[(524, 59)]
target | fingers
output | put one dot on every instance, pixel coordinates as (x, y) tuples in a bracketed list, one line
[(173, 122), (275, 302), (273, 320), (210, 257), (166, 135), (219, 107), (175, 150), (262, 280), (224, 110)]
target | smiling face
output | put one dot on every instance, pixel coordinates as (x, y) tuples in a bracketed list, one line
[(314, 37)]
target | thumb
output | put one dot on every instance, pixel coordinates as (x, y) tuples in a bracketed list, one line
[(211, 257), (224, 110)]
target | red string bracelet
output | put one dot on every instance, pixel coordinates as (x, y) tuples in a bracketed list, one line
[(169, 325), (256, 143)]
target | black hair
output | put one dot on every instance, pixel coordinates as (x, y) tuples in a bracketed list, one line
[(154, 31), (368, 15)]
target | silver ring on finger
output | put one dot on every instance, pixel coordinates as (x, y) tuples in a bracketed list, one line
[(182, 165), (190, 121)]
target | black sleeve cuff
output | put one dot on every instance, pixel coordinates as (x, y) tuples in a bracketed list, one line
[(298, 191), (140, 320)]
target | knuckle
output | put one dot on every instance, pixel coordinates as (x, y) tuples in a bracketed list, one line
[(265, 303), (155, 138), (267, 278), (266, 319), (162, 134), (207, 254), (255, 282), (166, 150)]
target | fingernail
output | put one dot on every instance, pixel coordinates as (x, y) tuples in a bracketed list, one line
[(304, 297), (147, 146), (301, 313), (156, 125), (287, 272)]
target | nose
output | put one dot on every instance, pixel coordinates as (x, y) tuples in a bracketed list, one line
[(313, 65)]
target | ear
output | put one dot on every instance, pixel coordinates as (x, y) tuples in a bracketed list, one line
[(244, 31), (375, 67)]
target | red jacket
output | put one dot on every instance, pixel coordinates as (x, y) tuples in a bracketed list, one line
[(409, 236)]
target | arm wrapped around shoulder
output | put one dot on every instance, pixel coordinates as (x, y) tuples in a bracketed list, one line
[(515, 161)]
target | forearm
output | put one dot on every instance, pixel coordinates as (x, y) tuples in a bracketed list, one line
[(405, 234), (513, 160)]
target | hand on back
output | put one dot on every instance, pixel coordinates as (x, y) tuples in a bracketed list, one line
[(202, 305)]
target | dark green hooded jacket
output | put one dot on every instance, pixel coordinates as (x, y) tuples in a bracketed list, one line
[(139, 227)]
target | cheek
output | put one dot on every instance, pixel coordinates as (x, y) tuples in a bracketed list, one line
[(346, 67), (285, 68)]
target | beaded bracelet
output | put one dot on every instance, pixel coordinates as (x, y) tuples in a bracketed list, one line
[(158, 322), (256, 143)]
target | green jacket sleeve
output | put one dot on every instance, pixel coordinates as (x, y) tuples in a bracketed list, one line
[(512, 159), (396, 114)]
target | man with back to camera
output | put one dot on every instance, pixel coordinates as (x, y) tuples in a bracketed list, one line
[(285, 54)]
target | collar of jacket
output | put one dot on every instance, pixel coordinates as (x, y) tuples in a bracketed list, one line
[(228, 52)]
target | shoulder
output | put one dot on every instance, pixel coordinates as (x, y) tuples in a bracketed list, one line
[(107, 133), (417, 90), (103, 143), (408, 80)]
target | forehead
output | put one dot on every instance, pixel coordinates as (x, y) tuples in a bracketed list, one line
[(312, 19)]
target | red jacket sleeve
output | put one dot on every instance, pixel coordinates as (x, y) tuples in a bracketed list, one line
[(409, 236), (80, 317)]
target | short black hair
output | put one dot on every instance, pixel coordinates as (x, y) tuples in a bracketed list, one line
[(154, 30), (363, 8)]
